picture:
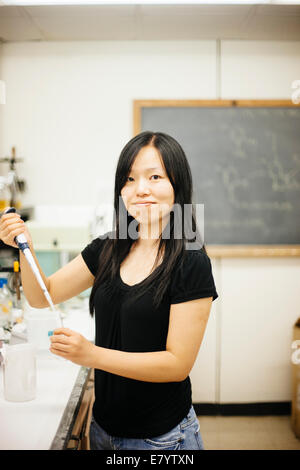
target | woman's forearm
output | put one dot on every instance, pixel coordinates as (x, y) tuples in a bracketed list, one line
[(157, 366)]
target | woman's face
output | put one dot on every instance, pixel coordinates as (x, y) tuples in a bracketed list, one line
[(148, 181)]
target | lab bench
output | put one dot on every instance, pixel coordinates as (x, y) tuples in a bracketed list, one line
[(73, 431), (58, 418)]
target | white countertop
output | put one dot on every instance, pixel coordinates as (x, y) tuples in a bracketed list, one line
[(33, 425)]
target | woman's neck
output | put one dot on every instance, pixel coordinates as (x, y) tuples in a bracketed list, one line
[(149, 235)]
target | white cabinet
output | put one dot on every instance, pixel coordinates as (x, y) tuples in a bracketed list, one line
[(260, 304), (245, 354), (205, 373)]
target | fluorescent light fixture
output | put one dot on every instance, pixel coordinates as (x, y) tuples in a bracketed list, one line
[(124, 2), (2, 92), (148, 2), (120, 2)]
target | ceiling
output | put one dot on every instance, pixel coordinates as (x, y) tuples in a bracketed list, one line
[(149, 22)]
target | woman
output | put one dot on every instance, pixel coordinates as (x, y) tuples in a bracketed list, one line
[(152, 292)]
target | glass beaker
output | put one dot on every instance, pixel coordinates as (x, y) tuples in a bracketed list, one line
[(19, 372)]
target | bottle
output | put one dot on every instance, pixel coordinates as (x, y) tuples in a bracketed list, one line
[(8, 294), (17, 284), (15, 199), (5, 304), (17, 311), (4, 194)]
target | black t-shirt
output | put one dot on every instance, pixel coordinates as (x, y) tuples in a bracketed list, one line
[(131, 408)]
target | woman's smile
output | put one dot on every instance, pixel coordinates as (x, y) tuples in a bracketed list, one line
[(144, 204)]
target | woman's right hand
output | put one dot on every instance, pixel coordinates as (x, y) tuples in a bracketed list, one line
[(12, 225)]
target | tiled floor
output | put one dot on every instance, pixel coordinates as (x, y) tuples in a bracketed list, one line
[(245, 432)]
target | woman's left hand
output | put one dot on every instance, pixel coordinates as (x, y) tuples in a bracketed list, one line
[(72, 346)]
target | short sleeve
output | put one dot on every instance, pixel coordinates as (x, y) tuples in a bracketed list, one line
[(193, 279), (91, 253)]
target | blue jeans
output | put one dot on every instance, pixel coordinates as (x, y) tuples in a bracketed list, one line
[(185, 436)]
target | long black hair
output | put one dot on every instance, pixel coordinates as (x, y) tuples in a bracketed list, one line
[(171, 249)]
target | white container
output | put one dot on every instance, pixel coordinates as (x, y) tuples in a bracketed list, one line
[(19, 372), (39, 323)]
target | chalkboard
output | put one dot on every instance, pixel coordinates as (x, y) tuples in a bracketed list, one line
[(245, 163)]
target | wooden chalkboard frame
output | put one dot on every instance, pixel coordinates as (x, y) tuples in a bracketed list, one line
[(224, 251)]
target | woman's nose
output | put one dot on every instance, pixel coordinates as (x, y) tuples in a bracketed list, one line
[(142, 187)]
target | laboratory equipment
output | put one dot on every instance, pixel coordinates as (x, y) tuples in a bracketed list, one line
[(22, 243), (19, 372)]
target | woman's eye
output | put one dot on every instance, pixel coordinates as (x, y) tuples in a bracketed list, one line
[(129, 178)]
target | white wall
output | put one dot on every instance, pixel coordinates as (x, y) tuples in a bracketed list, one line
[(69, 104), (259, 69), (1, 105), (69, 113), (69, 107)]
